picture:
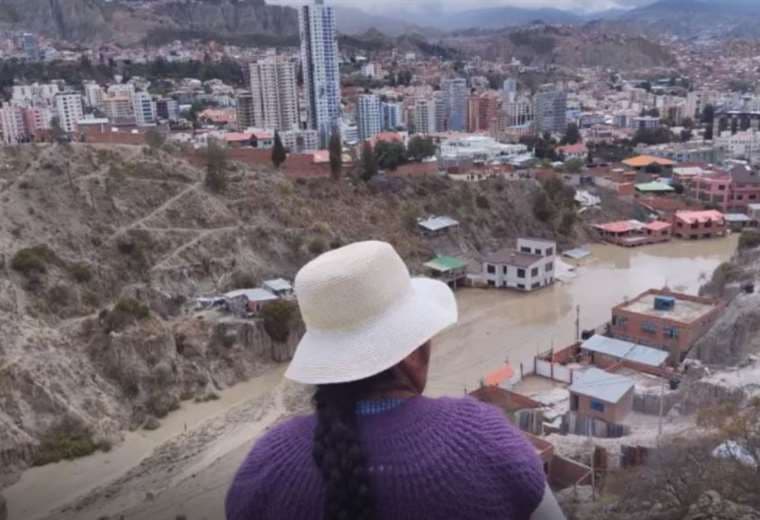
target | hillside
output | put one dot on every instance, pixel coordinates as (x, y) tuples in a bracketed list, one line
[(565, 46), (96, 21), (104, 249)]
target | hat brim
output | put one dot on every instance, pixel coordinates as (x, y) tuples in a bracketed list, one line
[(329, 357)]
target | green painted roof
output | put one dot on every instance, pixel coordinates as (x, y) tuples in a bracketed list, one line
[(654, 186), (445, 263)]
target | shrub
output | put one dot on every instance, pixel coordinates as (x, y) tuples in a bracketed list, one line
[(33, 260), (317, 246), (69, 439), (80, 272), (125, 312), (278, 317), (60, 296), (543, 208), (482, 202), (749, 239)]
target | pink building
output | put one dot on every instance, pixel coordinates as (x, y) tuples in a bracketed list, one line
[(699, 224), (731, 191)]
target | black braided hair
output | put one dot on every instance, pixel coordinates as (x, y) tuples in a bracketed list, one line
[(338, 453)]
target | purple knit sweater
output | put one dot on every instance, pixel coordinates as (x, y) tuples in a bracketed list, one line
[(428, 459)]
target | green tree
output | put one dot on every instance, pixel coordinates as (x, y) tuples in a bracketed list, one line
[(216, 167), (154, 138), (420, 148), (543, 208), (573, 166), (278, 151), (368, 162), (278, 318), (336, 155), (390, 155), (57, 133), (572, 135)]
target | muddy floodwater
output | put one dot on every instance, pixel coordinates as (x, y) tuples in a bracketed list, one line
[(495, 325)]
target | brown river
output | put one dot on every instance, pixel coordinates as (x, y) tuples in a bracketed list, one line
[(494, 325)]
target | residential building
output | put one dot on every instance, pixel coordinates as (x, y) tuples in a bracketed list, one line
[(607, 353), (530, 267), (577, 151), (632, 233), (349, 133), (368, 116), (741, 145), (69, 110), (300, 141), (167, 109), (602, 395), (753, 210), (12, 127), (119, 109), (93, 94), (644, 123), (144, 109), (454, 95), (482, 112), (644, 162), (509, 90), (666, 320), (245, 112), (448, 269), (425, 116), (275, 92), (436, 226), (464, 151), (550, 110), (689, 152), (699, 224), (319, 60), (392, 115)]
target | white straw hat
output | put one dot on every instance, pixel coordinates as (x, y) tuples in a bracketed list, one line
[(364, 314)]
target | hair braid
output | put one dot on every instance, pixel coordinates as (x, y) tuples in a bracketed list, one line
[(338, 452)]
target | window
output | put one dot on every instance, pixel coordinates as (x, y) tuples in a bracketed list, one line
[(597, 406), (671, 332), (549, 267), (649, 327), (550, 251), (505, 270), (534, 271), (491, 269), (536, 285), (537, 252), (525, 250), (521, 273), (520, 286)]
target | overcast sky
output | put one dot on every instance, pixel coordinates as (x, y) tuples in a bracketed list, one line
[(459, 5)]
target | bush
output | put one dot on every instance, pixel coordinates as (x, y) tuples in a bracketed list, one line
[(69, 439), (80, 272), (60, 296), (278, 317), (125, 312), (749, 239), (317, 246), (543, 208), (33, 260)]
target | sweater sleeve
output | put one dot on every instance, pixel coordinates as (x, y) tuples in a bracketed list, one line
[(516, 467), (247, 495)]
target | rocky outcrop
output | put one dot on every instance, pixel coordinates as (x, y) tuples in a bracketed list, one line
[(711, 506)]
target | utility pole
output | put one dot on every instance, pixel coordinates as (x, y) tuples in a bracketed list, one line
[(577, 323), (662, 406)]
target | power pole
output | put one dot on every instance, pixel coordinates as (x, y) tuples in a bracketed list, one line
[(662, 406), (577, 323)]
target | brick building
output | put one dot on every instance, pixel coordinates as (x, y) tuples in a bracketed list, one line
[(666, 320), (602, 395), (699, 224)]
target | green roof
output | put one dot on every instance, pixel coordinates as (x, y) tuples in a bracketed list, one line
[(654, 186), (445, 263)]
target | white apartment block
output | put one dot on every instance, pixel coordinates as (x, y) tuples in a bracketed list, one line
[(368, 116), (300, 141), (35, 94), (119, 110), (93, 94), (519, 112), (741, 145), (69, 110), (530, 267), (12, 128), (320, 61), (144, 109), (455, 93), (275, 93)]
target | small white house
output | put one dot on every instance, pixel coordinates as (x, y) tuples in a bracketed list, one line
[(435, 226), (530, 267), (279, 287)]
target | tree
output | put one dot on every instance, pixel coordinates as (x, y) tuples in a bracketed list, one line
[(278, 151), (154, 138), (543, 208), (57, 133), (708, 136), (336, 155), (420, 148), (368, 162), (216, 167), (573, 166), (278, 317), (572, 135), (652, 136), (686, 136), (390, 155), (708, 115)]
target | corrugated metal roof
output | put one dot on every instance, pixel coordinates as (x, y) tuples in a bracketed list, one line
[(625, 350), (655, 187), (445, 263), (252, 295), (737, 217), (438, 223), (601, 385)]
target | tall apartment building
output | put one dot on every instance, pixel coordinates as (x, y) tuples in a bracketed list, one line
[(119, 110), (392, 115), (12, 128), (319, 59), (424, 116), (509, 90), (167, 108), (482, 111), (245, 112), (275, 92), (93, 94), (144, 108), (519, 112), (35, 94), (69, 110), (455, 95), (368, 116), (300, 141), (551, 110)]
